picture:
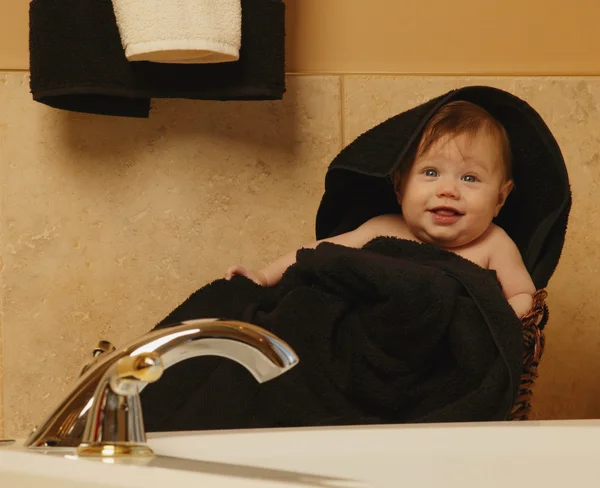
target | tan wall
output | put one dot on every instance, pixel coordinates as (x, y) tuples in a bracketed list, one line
[(14, 34), (405, 36)]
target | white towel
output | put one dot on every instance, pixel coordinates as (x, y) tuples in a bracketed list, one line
[(180, 31)]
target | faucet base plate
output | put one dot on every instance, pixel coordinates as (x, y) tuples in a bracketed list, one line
[(114, 450)]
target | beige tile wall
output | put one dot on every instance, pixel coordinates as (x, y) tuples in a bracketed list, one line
[(106, 224)]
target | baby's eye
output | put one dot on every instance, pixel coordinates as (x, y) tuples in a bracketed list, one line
[(470, 178), (431, 172)]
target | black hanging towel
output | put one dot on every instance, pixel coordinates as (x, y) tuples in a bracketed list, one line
[(77, 62)]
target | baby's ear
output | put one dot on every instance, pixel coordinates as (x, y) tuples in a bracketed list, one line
[(397, 184), (505, 190)]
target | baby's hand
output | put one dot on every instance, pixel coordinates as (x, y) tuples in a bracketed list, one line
[(258, 278)]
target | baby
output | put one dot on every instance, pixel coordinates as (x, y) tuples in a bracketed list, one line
[(450, 188)]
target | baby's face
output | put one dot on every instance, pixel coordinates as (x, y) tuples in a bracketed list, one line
[(454, 190)]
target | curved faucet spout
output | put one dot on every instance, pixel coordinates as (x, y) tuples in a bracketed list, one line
[(263, 354), (93, 409)]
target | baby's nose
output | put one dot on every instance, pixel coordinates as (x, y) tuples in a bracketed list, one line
[(447, 188)]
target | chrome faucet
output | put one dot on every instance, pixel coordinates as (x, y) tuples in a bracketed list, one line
[(102, 414)]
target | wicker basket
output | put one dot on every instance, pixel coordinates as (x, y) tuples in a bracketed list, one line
[(533, 348)]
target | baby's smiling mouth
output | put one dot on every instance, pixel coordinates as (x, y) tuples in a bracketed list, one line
[(446, 212), (445, 215)]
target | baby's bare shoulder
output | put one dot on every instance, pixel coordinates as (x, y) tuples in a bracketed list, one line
[(499, 243), (391, 225), (387, 225), (497, 236)]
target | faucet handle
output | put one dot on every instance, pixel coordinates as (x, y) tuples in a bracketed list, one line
[(130, 370), (103, 347)]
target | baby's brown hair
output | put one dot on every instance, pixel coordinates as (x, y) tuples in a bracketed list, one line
[(454, 118)]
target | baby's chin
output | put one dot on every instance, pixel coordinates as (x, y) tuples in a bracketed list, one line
[(445, 242)]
